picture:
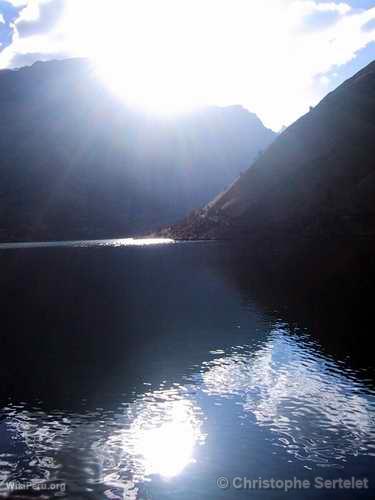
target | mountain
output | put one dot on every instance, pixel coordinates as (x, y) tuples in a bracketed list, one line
[(76, 162), (307, 204)]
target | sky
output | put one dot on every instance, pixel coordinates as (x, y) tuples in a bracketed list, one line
[(275, 57)]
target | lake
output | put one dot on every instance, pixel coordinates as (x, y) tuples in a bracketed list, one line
[(163, 372)]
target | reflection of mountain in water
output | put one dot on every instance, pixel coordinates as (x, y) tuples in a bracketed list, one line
[(109, 382), (316, 410), (319, 413)]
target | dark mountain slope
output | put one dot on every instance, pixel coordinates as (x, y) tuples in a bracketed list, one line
[(76, 163), (308, 203)]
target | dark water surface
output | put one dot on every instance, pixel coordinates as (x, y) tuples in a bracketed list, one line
[(151, 372)]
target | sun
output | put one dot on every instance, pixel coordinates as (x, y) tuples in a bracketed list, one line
[(149, 84), (146, 52)]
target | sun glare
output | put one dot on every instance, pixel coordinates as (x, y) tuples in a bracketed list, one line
[(147, 53), (276, 57), (176, 55), (168, 56)]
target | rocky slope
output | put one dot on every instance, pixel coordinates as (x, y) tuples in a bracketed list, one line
[(308, 202), (75, 162)]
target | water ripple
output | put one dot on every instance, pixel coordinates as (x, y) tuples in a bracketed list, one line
[(317, 410)]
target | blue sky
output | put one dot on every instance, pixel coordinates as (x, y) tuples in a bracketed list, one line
[(276, 57), (7, 14)]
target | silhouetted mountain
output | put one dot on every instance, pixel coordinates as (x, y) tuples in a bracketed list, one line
[(307, 205), (77, 163)]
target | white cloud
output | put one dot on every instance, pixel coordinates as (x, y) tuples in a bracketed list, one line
[(259, 54), (18, 3), (341, 8), (2, 20), (32, 9)]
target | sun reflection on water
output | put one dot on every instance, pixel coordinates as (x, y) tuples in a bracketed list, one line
[(114, 242), (160, 433), (313, 409), (169, 447)]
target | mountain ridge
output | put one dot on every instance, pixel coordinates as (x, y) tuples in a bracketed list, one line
[(77, 162)]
